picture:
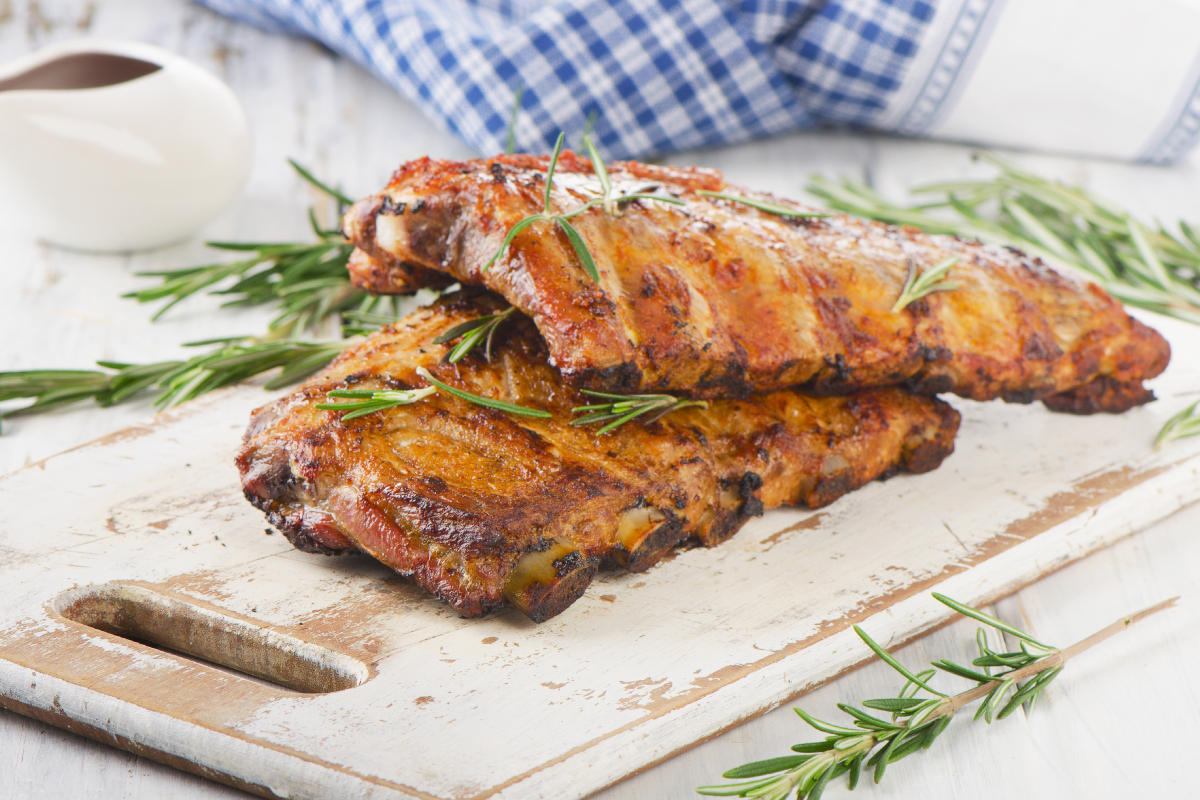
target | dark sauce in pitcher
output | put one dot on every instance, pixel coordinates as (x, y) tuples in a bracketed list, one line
[(80, 71)]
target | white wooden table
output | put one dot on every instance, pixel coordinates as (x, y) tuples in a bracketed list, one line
[(1123, 719)]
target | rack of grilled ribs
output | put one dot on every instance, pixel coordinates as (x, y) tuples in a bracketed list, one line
[(480, 506), (716, 298)]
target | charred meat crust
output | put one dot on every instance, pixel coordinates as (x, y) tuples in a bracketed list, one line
[(542, 599), (374, 266), (718, 299), (306, 538), (481, 508), (1100, 395), (382, 269)]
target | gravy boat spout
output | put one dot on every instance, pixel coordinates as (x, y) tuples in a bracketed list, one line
[(115, 146)]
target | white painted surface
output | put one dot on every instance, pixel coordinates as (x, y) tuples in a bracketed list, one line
[(638, 669), (61, 309), (1092, 74)]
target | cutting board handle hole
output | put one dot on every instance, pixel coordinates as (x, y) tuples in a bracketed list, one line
[(198, 631)]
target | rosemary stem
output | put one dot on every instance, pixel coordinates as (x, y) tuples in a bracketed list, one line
[(1052, 660), (277, 333), (1116, 627)]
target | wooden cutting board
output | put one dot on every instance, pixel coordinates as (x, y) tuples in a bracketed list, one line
[(368, 688)]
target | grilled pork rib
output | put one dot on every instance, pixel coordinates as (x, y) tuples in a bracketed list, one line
[(717, 298), (480, 506)]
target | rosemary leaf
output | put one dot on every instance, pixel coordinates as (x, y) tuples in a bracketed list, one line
[(1154, 265), (919, 285), (818, 786), (744, 789), (855, 773), (51, 389), (601, 174), (987, 619), (623, 408), (510, 137), (1182, 425), (892, 703), (1035, 230), (512, 234), (893, 663), (368, 401), (532, 218), (623, 199), (471, 333), (342, 199), (558, 146), (589, 124), (461, 329), (265, 247), (824, 727), (762, 205), (909, 689), (961, 671), (765, 767), (487, 402), (581, 249), (862, 717)]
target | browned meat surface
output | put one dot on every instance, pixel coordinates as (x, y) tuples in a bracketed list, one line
[(716, 298), (382, 269), (480, 506)]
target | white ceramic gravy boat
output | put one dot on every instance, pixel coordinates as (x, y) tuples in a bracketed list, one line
[(116, 146)]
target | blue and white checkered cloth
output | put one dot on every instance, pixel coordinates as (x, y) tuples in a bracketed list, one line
[(667, 75)]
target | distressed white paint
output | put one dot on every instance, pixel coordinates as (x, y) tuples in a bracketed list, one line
[(640, 668), (61, 308)]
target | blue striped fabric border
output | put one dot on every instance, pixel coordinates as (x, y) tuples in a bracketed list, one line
[(1180, 129), (965, 37)]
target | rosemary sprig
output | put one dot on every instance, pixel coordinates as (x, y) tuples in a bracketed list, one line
[(368, 317), (231, 361), (611, 204), (762, 205), (872, 742), (1182, 425), (472, 333), (918, 285), (623, 407), (52, 388), (308, 282), (1149, 267), (261, 277), (368, 401)]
